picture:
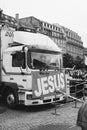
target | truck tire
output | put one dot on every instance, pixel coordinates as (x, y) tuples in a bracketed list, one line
[(10, 99)]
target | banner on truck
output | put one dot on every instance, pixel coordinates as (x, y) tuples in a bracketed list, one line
[(45, 83)]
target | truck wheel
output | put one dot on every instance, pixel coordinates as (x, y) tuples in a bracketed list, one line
[(10, 99)]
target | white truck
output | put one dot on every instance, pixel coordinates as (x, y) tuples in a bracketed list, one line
[(30, 68)]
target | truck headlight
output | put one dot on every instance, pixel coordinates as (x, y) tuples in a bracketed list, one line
[(28, 96)]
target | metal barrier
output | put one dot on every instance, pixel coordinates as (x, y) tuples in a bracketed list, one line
[(79, 91), (75, 98)]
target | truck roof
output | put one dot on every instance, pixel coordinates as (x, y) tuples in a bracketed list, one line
[(37, 40)]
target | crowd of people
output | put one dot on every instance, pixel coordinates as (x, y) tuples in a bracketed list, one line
[(77, 74), (82, 113)]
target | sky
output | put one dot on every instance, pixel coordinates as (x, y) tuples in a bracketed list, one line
[(68, 13)]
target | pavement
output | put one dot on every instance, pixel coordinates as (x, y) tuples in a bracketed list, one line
[(40, 118)]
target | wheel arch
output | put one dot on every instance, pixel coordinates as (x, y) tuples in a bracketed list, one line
[(10, 87)]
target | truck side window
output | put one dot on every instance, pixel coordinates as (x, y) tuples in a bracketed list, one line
[(18, 59)]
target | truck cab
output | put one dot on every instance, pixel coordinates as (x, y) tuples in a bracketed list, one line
[(31, 65)]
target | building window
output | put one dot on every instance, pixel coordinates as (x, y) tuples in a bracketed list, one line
[(57, 34), (56, 28), (60, 35), (45, 24), (53, 27), (48, 25)]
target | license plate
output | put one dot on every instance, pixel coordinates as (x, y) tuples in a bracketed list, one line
[(48, 97)]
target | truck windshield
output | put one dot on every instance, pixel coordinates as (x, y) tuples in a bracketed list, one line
[(38, 60)]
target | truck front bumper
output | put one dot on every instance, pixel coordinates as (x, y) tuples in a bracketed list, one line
[(26, 99)]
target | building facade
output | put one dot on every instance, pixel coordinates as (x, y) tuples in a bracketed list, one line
[(74, 44), (68, 40), (55, 33)]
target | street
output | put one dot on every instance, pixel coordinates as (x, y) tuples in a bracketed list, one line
[(40, 118)]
